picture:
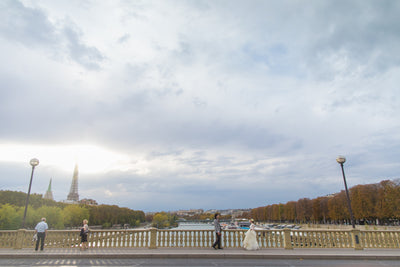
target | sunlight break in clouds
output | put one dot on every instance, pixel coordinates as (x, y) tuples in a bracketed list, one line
[(90, 158)]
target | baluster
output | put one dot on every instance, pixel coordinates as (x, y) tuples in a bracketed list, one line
[(266, 238), (384, 239), (395, 239), (324, 240), (339, 241), (342, 239), (223, 241), (366, 239), (234, 239), (101, 240), (129, 239), (371, 239), (196, 241), (390, 239), (134, 239), (160, 238), (209, 240), (190, 239), (161, 235), (176, 239), (349, 240), (330, 239), (117, 238), (123, 238), (339, 238), (375, 240), (294, 237), (313, 239), (107, 238), (137, 239), (320, 239), (381, 240), (202, 237), (170, 240), (181, 235), (142, 239)]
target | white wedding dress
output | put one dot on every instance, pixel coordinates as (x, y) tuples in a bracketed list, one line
[(250, 240)]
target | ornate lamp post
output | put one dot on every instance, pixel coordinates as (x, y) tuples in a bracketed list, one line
[(34, 162), (341, 160)]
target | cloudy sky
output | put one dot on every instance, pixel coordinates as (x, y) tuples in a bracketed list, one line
[(168, 105)]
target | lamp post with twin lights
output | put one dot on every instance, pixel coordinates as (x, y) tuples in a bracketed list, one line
[(342, 160), (34, 162)]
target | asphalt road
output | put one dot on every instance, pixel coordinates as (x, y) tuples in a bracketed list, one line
[(196, 262)]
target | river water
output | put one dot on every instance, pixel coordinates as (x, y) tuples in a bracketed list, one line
[(194, 226)]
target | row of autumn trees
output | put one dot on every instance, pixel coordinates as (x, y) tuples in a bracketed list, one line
[(371, 203), (60, 215)]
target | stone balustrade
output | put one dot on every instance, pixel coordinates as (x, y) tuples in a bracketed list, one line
[(154, 238)]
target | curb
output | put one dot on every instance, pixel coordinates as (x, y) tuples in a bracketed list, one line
[(42, 255)]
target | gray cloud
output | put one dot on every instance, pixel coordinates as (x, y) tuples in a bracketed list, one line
[(32, 28), (26, 26)]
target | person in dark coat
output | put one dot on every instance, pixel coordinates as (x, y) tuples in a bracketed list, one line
[(218, 232)]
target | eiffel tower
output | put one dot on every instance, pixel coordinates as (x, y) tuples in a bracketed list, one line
[(73, 195), (49, 193)]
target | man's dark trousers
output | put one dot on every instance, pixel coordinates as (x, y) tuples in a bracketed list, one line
[(40, 238)]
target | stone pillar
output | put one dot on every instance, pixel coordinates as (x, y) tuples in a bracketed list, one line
[(288, 238), (355, 235), (153, 238), (19, 239)]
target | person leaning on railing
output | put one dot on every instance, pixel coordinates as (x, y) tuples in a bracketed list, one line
[(41, 231)]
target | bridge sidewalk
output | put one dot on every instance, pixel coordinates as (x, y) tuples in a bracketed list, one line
[(230, 253)]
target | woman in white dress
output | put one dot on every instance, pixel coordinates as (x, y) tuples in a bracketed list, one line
[(250, 240)]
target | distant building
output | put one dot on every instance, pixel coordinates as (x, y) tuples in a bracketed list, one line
[(49, 193), (73, 196), (87, 201), (189, 212), (233, 212)]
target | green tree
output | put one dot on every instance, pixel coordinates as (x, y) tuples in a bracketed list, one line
[(9, 219), (74, 215), (161, 220), (53, 215), (32, 217)]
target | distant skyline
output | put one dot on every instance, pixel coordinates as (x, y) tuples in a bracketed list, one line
[(188, 104)]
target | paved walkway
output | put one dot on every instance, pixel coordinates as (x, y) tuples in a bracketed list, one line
[(230, 253)]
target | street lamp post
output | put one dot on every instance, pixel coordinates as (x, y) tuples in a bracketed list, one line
[(342, 160), (34, 162)]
